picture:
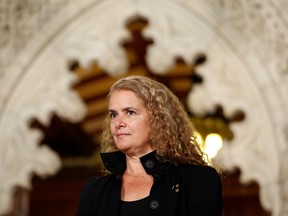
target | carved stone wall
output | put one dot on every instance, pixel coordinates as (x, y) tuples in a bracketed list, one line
[(247, 68), (255, 32), (34, 82)]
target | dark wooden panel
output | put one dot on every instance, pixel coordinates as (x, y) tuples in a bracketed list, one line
[(239, 199), (59, 195)]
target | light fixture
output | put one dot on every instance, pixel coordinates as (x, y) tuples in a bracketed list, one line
[(213, 143)]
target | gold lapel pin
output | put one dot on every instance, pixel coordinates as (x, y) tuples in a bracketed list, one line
[(176, 188)]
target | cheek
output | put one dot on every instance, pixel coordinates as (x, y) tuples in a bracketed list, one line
[(112, 128), (146, 128)]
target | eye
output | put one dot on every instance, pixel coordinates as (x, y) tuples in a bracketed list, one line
[(112, 115), (130, 112)]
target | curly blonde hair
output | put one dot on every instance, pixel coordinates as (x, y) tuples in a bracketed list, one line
[(172, 133)]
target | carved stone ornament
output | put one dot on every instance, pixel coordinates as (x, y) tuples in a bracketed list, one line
[(34, 82), (246, 44)]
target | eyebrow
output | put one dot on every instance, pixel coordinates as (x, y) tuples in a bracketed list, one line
[(124, 109)]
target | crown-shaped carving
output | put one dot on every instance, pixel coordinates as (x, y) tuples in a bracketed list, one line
[(94, 84)]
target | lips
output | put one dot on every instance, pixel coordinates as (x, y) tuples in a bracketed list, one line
[(121, 134)]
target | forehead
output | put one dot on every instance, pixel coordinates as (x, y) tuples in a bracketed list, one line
[(122, 96)]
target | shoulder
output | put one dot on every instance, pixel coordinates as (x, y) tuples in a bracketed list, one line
[(202, 186), (202, 182), (95, 184), (199, 170), (202, 175), (91, 194)]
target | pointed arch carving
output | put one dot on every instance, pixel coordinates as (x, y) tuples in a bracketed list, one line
[(236, 76)]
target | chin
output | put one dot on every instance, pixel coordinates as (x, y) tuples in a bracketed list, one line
[(122, 148)]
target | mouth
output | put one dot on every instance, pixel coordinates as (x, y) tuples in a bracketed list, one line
[(122, 134)]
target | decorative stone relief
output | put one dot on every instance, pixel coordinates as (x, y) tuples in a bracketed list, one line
[(254, 147), (35, 83), (236, 35), (255, 31), (263, 26), (235, 76), (21, 21), (45, 88)]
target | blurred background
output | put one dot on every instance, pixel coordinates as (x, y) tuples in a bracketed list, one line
[(226, 61)]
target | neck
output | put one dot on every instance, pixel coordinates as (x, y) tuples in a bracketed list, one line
[(135, 175), (134, 167)]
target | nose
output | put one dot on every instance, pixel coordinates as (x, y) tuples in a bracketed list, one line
[(119, 122)]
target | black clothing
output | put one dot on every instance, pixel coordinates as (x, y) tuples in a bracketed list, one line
[(182, 190), (134, 208)]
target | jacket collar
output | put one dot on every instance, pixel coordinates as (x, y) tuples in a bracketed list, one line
[(115, 162)]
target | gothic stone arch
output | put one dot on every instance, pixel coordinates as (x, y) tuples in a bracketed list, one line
[(245, 70)]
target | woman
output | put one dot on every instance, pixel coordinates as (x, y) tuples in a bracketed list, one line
[(155, 164)]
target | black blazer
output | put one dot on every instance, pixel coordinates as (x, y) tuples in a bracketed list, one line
[(177, 190)]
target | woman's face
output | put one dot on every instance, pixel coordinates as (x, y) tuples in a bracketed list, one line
[(129, 123)]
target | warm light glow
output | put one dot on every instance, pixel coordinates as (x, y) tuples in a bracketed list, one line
[(213, 143), (199, 140)]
